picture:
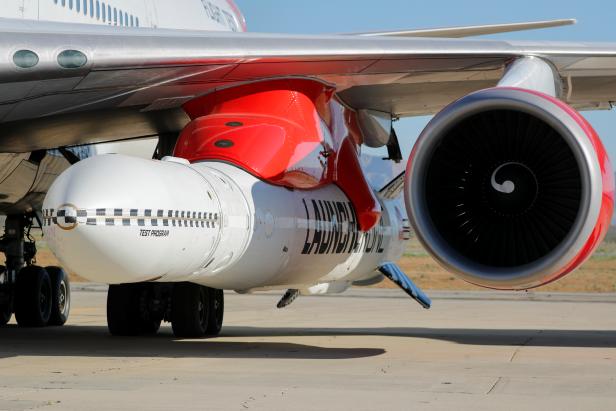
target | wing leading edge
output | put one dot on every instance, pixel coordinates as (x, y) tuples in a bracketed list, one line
[(468, 31)]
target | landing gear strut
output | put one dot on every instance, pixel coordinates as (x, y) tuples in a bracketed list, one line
[(38, 296), (138, 309)]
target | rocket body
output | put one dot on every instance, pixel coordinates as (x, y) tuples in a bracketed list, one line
[(118, 219)]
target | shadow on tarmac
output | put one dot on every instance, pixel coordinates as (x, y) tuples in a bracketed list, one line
[(469, 336), (95, 341)]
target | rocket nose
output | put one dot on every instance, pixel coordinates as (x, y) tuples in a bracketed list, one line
[(74, 225), (118, 219)]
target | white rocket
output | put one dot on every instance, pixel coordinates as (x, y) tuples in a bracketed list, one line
[(118, 219)]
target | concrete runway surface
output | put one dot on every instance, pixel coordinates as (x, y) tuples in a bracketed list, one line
[(364, 350)]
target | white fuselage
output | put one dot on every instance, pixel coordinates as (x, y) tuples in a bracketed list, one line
[(216, 15)]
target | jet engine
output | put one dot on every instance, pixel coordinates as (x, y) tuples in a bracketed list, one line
[(509, 188)]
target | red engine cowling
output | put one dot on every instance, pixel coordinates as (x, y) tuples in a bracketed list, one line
[(509, 188)]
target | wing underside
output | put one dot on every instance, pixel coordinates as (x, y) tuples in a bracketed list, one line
[(134, 81)]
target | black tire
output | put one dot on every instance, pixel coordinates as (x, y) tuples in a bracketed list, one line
[(217, 311), (60, 296), (5, 314), (33, 297), (5, 309), (127, 310), (189, 310)]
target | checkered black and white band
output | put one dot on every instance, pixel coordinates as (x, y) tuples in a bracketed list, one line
[(68, 216)]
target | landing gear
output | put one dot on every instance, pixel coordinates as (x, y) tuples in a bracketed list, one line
[(196, 311), (60, 295), (190, 310), (216, 312), (33, 297), (138, 309), (5, 314), (6, 310), (134, 309), (38, 296)]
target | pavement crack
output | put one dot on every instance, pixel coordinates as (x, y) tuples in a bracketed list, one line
[(498, 380)]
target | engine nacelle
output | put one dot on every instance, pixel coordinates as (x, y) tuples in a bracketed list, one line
[(509, 188)]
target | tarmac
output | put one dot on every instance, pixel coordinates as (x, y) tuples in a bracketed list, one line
[(367, 349)]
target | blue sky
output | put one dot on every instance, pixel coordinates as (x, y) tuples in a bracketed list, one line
[(595, 23)]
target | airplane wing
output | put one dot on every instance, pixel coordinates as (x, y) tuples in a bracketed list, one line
[(65, 84), (467, 31)]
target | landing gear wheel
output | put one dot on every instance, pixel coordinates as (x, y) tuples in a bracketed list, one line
[(5, 314), (60, 296), (5, 309), (128, 312), (217, 310), (190, 309), (33, 297)]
